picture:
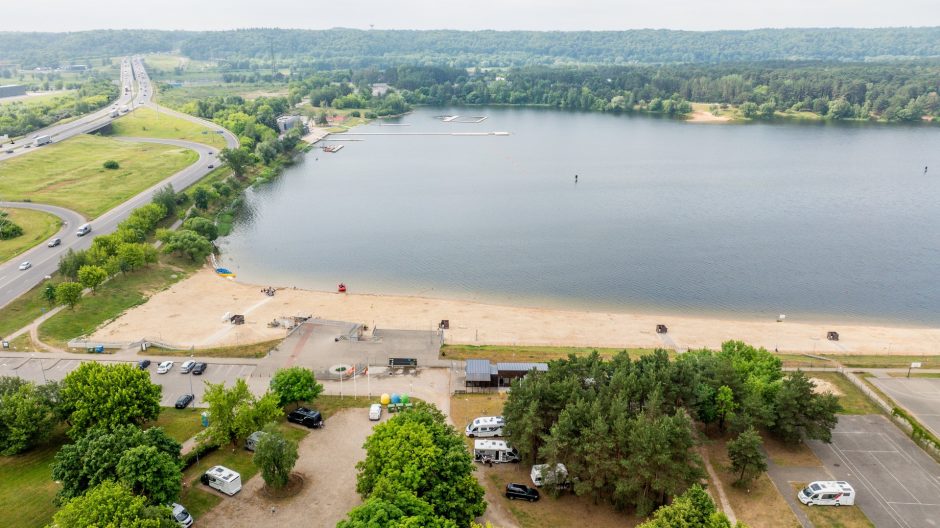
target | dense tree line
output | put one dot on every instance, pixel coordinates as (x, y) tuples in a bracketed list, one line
[(625, 428), (20, 118)]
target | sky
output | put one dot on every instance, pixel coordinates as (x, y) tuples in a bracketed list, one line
[(566, 15)]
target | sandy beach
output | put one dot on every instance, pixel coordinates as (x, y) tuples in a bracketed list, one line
[(192, 311)]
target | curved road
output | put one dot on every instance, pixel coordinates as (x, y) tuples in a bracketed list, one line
[(45, 260)]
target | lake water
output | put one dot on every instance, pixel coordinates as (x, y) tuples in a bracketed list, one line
[(812, 220)]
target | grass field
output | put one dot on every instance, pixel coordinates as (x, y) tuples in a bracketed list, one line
[(27, 488), (180, 424), (852, 400), (69, 174), (533, 353), (33, 100), (177, 97), (146, 122), (22, 310), (37, 228), (832, 517)]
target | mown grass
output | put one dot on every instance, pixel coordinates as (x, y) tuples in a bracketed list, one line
[(832, 517), (34, 100), (22, 310), (534, 353), (179, 424), (26, 486), (255, 350), (37, 228), (70, 174), (146, 122), (177, 97), (852, 400)]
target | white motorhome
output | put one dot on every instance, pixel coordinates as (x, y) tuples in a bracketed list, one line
[(827, 493), (542, 474), (375, 411), (494, 451), (223, 479), (485, 426)]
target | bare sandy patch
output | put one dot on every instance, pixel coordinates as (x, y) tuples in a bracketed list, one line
[(823, 386)]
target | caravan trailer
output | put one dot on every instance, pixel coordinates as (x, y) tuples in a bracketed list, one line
[(494, 451), (223, 479), (827, 493), (485, 426)]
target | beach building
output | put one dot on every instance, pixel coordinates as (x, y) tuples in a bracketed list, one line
[(12, 90), (380, 89), (480, 373), (287, 122)]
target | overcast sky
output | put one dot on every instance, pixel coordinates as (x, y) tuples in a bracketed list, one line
[(71, 15)]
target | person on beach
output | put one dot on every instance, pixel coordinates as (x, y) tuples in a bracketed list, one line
[(576, 178)]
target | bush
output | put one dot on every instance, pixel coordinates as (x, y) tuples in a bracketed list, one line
[(111, 165)]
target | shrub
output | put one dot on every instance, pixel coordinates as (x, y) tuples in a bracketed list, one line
[(111, 165)]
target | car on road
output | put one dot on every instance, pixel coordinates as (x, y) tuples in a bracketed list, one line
[(199, 368), (187, 366), (184, 401), (164, 367), (521, 491), (211, 166), (54, 242), (306, 417), (143, 364), (181, 515), (9, 151), (25, 265)]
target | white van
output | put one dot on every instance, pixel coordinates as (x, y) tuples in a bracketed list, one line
[(485, 426), (543, 473), (375, 411), (494, 451), (83, 230), (827, 493), (223, 479)]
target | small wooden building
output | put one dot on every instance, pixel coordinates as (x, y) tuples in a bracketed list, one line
[(483, 374)]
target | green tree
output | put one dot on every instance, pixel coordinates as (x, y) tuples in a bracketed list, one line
[(724, 405), (92, 276), (27, 415), (801, 412), (238, 159), (294, 385), (203, 196), (203, 226), (166, 196), (151, 473), (692, 509), (236, 413), (71, 262), (48, 294), (746, 456), (68, 293), (749, 110), (392, 507), (111, 165), (186, 242), (112, 505), (99, 395), (275, 456)]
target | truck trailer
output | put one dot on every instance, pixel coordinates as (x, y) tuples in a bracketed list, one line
[(43, 140)]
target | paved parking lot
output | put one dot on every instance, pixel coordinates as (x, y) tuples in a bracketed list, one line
[(897, 484), (920, 396)]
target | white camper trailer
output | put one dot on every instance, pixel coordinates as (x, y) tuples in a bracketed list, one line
[(542, 474), (223, 479), (494, 451), (827, 493), (485, 426)]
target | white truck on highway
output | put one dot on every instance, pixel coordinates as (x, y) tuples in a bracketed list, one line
[(43, 140), (114, 113), (124, 109)]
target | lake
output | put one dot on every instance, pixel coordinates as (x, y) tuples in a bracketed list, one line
[(814, 220)]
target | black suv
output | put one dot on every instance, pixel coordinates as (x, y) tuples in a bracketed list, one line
[(184, 401), (521, 491), (199, 368), (306, 417), (143, 364)]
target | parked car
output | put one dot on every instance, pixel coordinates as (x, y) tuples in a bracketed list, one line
[(827, 493), (181, 515), (184, 401), (187, 366), (164, 367), (211, 166), (223, 479), (199, 368), (143, 364), (375, 411), (25, 265), (306, 417), (521, 491), (54, 242)]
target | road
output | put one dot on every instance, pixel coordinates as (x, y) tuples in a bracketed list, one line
[(45, 261)]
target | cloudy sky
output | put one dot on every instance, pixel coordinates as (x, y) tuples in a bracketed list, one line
[(67, 15)]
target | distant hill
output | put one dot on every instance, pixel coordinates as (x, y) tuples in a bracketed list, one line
[(355, 48)]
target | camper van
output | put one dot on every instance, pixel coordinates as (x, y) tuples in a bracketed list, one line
[(494, 451), (223, 479), (827, 493), (542, 474), (485, 426), (251, 443), (83, 230)]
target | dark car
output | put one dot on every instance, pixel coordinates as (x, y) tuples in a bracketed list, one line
[(199, 368), (143, 364), (306, 417), (521, 491), (54, 242), (184, 401), (211, 166)]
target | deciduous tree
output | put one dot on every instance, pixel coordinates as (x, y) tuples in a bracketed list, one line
[(186, 242), (746, 457), (151, 473), (112, 505), (275, 456), (68, 293), (235, 413), (92, 276), (99, 395), (27, 415), (294, 385)]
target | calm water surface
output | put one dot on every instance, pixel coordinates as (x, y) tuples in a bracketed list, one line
[(809, 220)]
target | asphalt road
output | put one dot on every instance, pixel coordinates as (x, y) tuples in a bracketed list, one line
[(45, 261)]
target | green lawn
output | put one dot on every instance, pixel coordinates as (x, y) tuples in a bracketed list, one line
[(533, 353), (146, 122), (256, 350), (112, 299), (177, 97), (33, 100), (852, 400), (26, 486), (180, 424), (70, 173), (22, 310), (37, 228)]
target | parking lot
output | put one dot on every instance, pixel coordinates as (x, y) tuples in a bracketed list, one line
[(897, 484), (920, 396), (40, 369)]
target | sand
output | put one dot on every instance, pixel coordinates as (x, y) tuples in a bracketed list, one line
[(191, 312), (704, 116)]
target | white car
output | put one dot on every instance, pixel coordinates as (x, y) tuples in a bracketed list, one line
[(187, 366), (164, 367), (375, 412), (25, 265)]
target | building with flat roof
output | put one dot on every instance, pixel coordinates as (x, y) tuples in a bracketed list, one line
[(12, 90), (482, 373), (287, 122)]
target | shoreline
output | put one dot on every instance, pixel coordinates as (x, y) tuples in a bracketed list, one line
[(208, 297)]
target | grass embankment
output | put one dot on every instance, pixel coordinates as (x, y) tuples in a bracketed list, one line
[(178, 96), (34, 100), (256, 350), (852, 400), (832, 517), (22, 310), (37, 228), (858, 361), (146, 122), (534, 353), (70, 174), (112, 299)]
